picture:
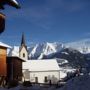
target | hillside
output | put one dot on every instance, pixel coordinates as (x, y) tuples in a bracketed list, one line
[(77, 83)]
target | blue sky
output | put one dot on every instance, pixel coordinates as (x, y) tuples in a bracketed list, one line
[(47, 21)]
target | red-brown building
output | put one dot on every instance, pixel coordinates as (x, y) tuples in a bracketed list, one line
[(10, 66), (14, 68), (3, 65)]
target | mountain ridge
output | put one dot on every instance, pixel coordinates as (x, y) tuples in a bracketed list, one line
[(40, 50)]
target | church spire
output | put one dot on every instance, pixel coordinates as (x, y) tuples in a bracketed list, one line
[(23, 40), (23, 52)]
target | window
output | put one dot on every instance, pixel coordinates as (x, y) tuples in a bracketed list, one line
[(23, 54), (45, 79)]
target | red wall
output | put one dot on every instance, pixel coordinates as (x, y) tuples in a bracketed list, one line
[(3, 65)]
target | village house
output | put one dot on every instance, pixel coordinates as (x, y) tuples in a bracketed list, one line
[(14, 68), (41, 71), (3, 62)]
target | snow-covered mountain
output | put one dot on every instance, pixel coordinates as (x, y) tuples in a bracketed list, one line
[(13, 51), (38, 51), (82, 45), (41, 50), (45, 49)]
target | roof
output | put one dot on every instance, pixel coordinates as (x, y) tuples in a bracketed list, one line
[(4, 45), (23, 44), (41, 65), (2, 15), (12, 3), (16, 58), (23, 40)]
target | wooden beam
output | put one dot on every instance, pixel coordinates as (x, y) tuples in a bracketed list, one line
[(2, 23)]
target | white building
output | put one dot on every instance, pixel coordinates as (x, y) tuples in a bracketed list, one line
[(41, 71)]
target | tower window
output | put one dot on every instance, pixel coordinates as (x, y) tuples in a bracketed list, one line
[(23, 54)]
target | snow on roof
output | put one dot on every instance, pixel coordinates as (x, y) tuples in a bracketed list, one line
[(15, 1), (4, 45), (41, 65)]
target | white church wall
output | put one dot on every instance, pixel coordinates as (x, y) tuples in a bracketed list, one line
[(26, 75), (54, 76)]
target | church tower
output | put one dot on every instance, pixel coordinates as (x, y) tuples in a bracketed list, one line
[(23, 52)]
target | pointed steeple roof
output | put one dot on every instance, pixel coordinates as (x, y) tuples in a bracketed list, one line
[(23, 51), (23, 44), (23, 40)]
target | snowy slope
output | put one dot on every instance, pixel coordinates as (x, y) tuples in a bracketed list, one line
[(78, 83), (45, 49), (83, 45), (14, 51)]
